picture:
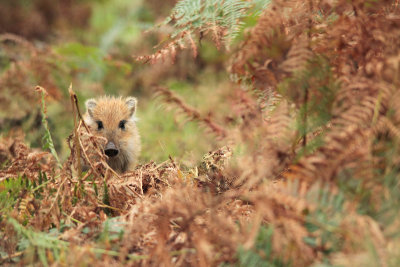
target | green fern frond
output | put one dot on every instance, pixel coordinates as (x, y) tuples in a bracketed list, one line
[(211, 15), (48, 141), (261, 254), (38, 241)]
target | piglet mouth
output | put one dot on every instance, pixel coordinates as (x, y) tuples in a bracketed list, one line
[(111, 150)]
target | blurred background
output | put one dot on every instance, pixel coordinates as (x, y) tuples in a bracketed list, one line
[(93, 44)]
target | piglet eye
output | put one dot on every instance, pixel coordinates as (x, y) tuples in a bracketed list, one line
[(99, 125), (122, 124)]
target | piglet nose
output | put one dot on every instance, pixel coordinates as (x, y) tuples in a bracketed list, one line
[(111, 150)]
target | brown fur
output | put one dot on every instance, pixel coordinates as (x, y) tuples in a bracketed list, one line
[(111, 111)]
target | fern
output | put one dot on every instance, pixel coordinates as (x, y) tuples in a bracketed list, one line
[(261, 254), (313, 89), (43, 243), (40, 242), (10, 193), (325, 220), (48, 141), (223, 19), (219, 17)]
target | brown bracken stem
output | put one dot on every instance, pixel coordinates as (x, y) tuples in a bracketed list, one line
[(191, 112), (76, 137)]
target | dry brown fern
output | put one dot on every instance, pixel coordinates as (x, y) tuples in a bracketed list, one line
[(26, 162), (347, 143), (274, 45), (171, 49)]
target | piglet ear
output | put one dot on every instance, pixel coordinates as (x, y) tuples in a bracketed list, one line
[(90, 105), (131, 103)]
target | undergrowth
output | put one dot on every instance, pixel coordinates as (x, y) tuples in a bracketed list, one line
[(302, 168)]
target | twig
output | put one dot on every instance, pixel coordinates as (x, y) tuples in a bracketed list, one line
[(72, 218), (102, 205), (76, 136), (19, 40), (9, 257), (58, 192)]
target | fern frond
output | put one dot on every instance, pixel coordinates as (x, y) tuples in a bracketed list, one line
[(298, 55), (221, 19), (348, 141), (48, 141), (275, 46)]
